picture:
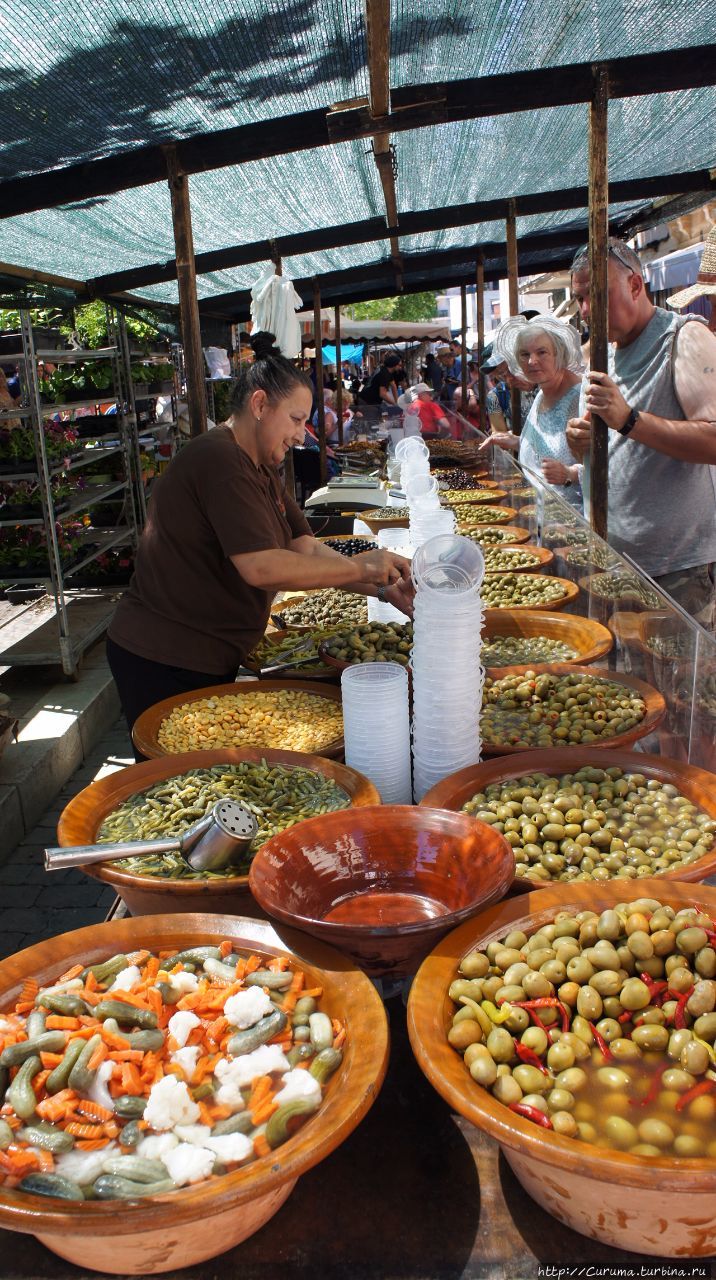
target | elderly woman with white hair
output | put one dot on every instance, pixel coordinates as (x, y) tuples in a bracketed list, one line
[(547, 353)]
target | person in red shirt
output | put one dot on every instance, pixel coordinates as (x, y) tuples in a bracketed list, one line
[(419, 400)]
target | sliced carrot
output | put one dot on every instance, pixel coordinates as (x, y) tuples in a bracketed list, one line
[(69, 974), (91, 983), (339, 1039), (51, 1059), (94, 1144), (131, 998), (154, 1000), (131, 1079), (139, 957), (240, 969), (125, 1055), (97, 1057), (80, 1129), (261, 1146), (316, 992), (113, 1040), (264, 1111), (279, 964), (111, 1129), (217, 1029), (29, 990), (290, 1001), (225, 948), (298, 980), (252, 964), (262, 1088), (205, 1116), (45, 1160), (40, 1079), (56, 1022), (93, 1110)]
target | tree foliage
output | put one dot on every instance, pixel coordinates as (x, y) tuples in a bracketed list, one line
[(408, 306)]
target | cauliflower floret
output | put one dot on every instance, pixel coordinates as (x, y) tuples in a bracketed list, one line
[(187, 1059), (98, 1091), (183, 982), (155, 1145), (126, 979), (197, 1134), (237, 1073), (170, 1103), (84, 1166), (181, 1024), (247, 1007), (299, 1084), (186, 1163), (231, 1148)]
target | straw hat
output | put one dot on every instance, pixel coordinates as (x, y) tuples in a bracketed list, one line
[(705, 280)]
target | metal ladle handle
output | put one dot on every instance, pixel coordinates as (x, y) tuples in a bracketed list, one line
[(84, 854)]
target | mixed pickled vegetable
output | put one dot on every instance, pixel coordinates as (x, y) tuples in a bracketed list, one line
[(147, 1073), (548, 710), (595, 824), (277, 795), (599, 1026)]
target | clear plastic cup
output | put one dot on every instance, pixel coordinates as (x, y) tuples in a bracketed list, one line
[(411, 445), (422, 486), (447, 560)]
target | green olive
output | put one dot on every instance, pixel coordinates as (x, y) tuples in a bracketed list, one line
[(621, 1133), (656, 1132)]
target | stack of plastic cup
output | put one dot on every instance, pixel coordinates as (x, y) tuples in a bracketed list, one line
[(376, 727), (447, 675)]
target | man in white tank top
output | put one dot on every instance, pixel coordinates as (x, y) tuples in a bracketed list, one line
[(659, 401)]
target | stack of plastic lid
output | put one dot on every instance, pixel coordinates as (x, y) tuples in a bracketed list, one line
[(447, 675), (427, 517), (376, 727)]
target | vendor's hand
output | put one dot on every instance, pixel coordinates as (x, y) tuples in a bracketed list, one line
[(604, 398), (381, 568), (555, 472), (579, 436), (401, 596)]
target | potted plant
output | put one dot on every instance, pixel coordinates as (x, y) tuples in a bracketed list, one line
[(111, 568), (161, 381)]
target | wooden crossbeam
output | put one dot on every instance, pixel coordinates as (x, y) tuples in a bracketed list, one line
[(377, 28), (412, 107)]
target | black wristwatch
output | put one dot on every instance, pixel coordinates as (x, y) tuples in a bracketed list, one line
[(382, 594), (630, 423)]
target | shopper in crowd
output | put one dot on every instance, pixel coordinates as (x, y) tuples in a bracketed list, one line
[(419, 400), (659, 402), (472, 406), (547, 353), (382, 389), (433, 372), (446, 360), (499, 400), (222, 537)]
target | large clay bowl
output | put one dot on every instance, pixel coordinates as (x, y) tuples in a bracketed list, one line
[(590, 639), (319, 672), (697, 784), (517, 535), (663, 1206), (490, 514), (399, 876), (655, 704), (454, 497), (375, 522), (83, 816), (543, 557), (569, 592), (143, 1237), (146, 729)]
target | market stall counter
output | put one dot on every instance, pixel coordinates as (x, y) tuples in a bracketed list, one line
[(416, 1192)]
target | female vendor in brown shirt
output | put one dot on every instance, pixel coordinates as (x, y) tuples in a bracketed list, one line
[(222, 536)]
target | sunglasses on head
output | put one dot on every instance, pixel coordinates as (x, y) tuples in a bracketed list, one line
[(615, 250)]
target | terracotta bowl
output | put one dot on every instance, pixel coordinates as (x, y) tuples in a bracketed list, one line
[(661, 1206), (318, 672), (590, 639), (83, 816), (569, 593), (145, 734), (458, 496), (698, 785), (655, 704), (376, 523), (517, 535), (143, 1237), (488, 512), (397, 878), (542, 554)]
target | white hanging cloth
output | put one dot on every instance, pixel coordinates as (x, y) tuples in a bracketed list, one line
[(274, 303)]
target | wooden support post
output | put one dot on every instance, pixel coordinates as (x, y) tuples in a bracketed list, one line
[(598, 288), (480, 318), (318, 340), (463, 336), (339, 373), (514, 294), (188, 301)]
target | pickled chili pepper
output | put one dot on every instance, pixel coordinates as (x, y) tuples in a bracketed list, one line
[(543, 1002), (654, 1087), (657, 990), (602, 1044), (696, 1091), (531, 1113), (498, 1016), (525, 1054), (680, 1014), (625, 1016)]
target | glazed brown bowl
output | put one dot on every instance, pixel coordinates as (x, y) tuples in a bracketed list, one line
[(654, 702), (661, 1206), (517, 535), (145, 733), (542, 557), (384, 884), (696, 784), (590, 639), (569, 592), (82, 818), (166, 1233), (376, 522)]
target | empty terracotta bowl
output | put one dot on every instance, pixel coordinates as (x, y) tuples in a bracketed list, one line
[(385, 885), (662, 1206), (171, 1232)]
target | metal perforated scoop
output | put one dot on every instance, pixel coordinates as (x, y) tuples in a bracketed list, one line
[(218, 840)]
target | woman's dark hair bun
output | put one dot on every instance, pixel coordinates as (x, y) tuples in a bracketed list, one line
[(263, 345)]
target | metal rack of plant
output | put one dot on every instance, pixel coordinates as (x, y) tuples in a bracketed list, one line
[(78, 622)]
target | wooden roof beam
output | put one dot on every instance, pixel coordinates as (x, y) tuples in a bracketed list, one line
[(412, 107), (377, 27)]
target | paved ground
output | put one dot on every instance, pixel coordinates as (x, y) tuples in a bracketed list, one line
[(35, 904)]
